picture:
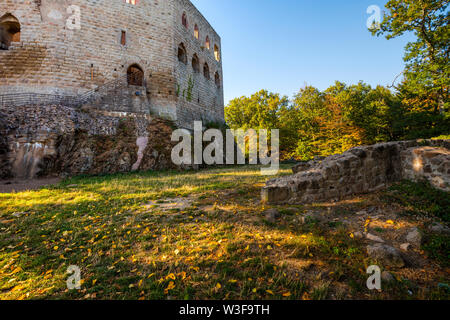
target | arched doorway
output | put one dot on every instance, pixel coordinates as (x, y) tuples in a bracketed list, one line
[(135, 75), (9, 31)]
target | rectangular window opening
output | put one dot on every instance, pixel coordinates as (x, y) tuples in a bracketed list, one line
[(123, 38)]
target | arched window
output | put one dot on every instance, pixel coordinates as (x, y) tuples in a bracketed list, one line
[(206, 71), (207, 43), (9, 31), (135, 75), (217, 79), (195, 63), (184, 20), (216, 53), (182, 57), (196, 32)]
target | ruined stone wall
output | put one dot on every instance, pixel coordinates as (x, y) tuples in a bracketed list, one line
[(363, 169), (51, 58), (57, 140), (429, 163), (206, 102)]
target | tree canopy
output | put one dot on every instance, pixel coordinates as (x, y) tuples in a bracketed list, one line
[(320, 123), (427, 67)]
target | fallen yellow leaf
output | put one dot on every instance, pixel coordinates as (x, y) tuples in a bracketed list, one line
[(171, 276)]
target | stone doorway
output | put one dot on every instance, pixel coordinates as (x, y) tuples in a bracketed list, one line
[(135, 76)]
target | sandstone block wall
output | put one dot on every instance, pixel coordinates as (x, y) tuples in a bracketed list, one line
[(363, 169), (50, 58)]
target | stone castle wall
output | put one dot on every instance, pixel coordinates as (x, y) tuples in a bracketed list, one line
[(361, 170), (206, 101), (51, 58)]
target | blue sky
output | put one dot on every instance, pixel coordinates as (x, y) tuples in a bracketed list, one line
[(283, 45)]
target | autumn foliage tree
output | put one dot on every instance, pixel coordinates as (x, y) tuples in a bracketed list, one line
[(318, 123), (341, 117)]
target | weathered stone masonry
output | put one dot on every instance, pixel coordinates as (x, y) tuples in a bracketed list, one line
[(363, 169), (46, 56)]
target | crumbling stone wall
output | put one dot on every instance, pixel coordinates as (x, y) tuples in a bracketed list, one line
[(61, 141), (429, 163), (363, 169)]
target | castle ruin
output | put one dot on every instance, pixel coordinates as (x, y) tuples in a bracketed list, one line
[(85, 67)]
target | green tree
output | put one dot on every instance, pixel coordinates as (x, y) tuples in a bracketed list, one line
[(427, 67), (260, 111), (418, 117), (302, 121)]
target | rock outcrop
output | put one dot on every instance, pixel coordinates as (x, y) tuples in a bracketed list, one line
[(55, 140), (387, 255), (361, 170)]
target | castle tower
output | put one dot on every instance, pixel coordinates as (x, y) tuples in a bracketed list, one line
[(133, 56)]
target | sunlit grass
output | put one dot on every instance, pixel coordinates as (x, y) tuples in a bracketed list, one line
[(218, 247)]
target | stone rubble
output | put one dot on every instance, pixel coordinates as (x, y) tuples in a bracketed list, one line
[(375, 238), (405, 247), (439, 228), (387, 277), (272, 215), (389, 256), (414, 237)]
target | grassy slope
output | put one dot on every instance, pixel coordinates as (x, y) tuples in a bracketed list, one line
[(219, 247)]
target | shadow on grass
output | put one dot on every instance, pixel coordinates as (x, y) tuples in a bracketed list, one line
[(127, 251)]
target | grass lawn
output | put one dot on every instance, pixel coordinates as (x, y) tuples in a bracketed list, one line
[(195, 235)]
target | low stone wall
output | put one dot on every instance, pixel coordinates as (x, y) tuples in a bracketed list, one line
[(55, 140), (361, 170)]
